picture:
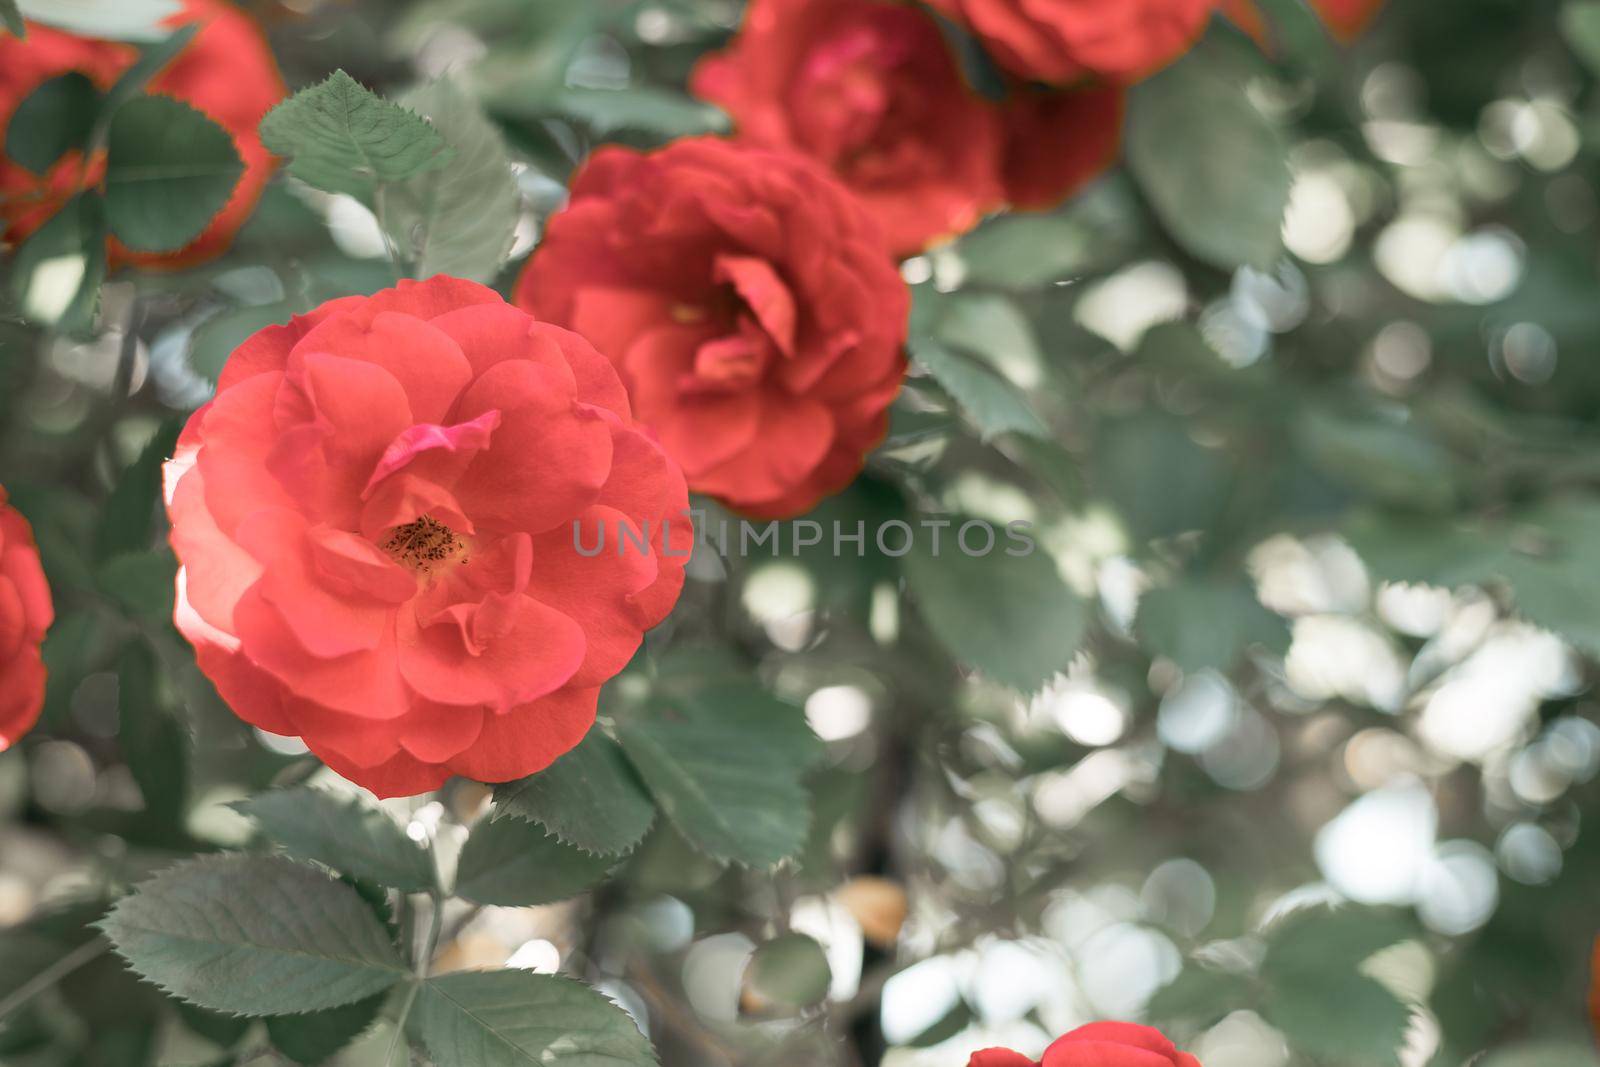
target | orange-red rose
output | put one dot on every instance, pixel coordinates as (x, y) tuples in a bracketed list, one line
[(375, 521), (1096, 1045), (25, 614), (1347, 18), (746, 297), (870, 88), (226, 71), (1061, 42)]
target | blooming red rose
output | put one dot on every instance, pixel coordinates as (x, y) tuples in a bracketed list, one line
[(1061, 42), (375, 521), (25, 614), (870, 88), (226, 71), (1096, 1045), (746, 297)]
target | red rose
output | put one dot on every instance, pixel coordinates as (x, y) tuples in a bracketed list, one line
[(747, 300), (1064, 41), (226, 71), (375, 521), (1058, 140), (871, 90), (25, 614), (1594, 989), (1348, 19), (1096, 1045)]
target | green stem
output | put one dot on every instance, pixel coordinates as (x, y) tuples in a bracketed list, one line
[(85, 953), (420, 967)]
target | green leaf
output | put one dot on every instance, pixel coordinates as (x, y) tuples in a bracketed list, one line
[(1554, 568), (458, 219), (791, 970), (154, 743), (644, 109), (56, 275), (215, 339), (114, 20), (1431, 550), (1027, 251), (221, 1030), (318, 1036), (1162, 481), (343, 138), (993, 328), (1206, 622), (1392, 461), (994, 405), (254, 935), (1213, 167), (341, 832), (515, 863), (11, 18), (152, 58), (1341, 1019), (1580, 24), (1541, 1053), (1321, 939), (591, 798), (1549, 555), (1315, 992), (1010, 616), (724, 761), (515, 1018), (52, 120), (129, 517), (169, 171), (1199, 996), (142, 583)]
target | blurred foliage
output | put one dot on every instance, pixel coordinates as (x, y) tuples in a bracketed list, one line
[(1286, 742)]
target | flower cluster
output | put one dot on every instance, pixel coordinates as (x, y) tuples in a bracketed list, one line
[(373, 514)]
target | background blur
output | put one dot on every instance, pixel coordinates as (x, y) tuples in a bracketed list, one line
[(1332, 533)]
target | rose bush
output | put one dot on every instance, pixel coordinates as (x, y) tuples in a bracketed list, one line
[(1096, 1045), (871, 89), (374, 519), (746, 298), (226, 71), (26, 612)]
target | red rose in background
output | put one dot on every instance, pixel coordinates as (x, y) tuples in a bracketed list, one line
[(226, 71), (1348, 19), (1058, 140), (1096, 1045), (1594, 989), (746, 298), (25, 614), (374, 519), (1061, 42), (871, 90)]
